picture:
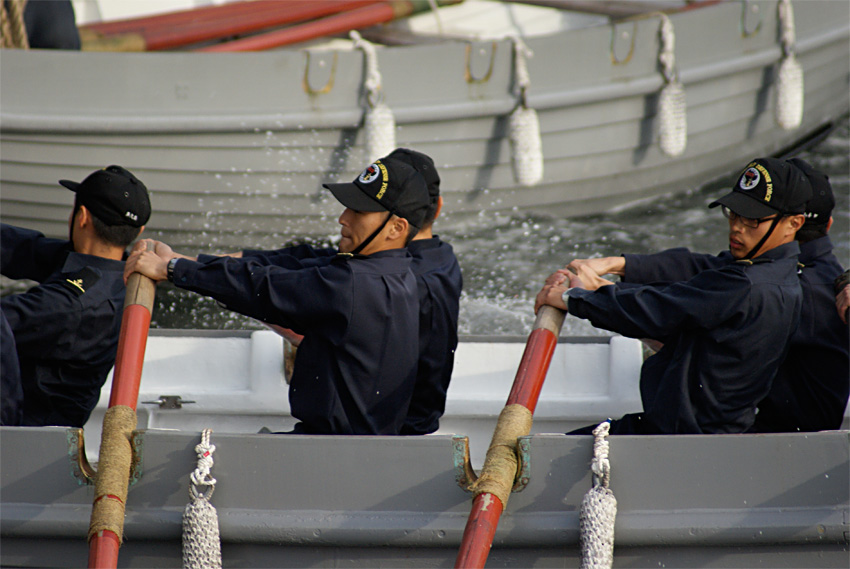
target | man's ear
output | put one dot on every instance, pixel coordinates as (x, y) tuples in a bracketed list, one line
[(398, 228), (84, 216), (439, 206), (796, 222)]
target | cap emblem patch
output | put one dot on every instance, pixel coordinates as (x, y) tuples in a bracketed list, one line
[(369, 175), (749, 179)]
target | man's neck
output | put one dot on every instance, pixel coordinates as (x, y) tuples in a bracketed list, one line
[(90, 246), (424, 233), (371, 251)]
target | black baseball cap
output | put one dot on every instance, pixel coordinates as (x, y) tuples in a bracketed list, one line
[(820, 206), (113, 195), (387, 184), (423, 164), (768, 186)]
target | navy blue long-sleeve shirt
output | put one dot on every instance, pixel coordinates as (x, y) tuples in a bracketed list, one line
[(810, 390), (725, 332), (439, 280), (66, 328), (356, 367)]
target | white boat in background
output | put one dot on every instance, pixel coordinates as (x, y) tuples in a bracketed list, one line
[(235, 146), (350, 501)]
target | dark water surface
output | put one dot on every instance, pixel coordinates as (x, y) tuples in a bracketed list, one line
[(506, 259)]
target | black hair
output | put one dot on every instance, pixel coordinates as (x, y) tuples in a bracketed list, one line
[(431, 213), (811, 232), (411, 233), (116, 235)]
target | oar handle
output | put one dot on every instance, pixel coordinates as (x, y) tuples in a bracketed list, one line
[(135, 323), (140, 289)]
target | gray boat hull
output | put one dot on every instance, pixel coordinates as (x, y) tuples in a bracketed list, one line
[(299, 501)]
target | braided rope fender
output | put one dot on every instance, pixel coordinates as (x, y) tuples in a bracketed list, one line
[(523, 124), (789, 79), (379, 121), (672, 106), (201, 538), (598, 508)]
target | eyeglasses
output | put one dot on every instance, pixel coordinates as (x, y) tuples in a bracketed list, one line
[(750, 222)]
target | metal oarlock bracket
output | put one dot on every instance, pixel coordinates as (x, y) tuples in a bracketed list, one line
[(524, 467), (480, 58), (465, 475), (319, 69), (750, 18), (623, 42), (168, 402), (84, 473)]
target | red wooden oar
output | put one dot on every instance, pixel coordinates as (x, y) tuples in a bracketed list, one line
[(112, 479), (176, 29), (350, 20), (487, 507), (342, 22)]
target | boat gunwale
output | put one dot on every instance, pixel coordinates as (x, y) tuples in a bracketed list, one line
[(463, 338)]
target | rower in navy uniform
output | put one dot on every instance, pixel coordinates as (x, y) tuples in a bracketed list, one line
[(66, 328), (440, 282), (726, 330), (439, 279), (810, 390), (358, 310)]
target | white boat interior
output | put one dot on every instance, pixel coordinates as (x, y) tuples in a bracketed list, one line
[(235, 382)]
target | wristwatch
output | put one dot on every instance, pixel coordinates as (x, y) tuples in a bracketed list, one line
[(169, 269), (566, 295)]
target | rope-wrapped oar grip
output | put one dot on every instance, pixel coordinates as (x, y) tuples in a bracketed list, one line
[(501, 464), (140, 289), (550, 318), (113, 472)]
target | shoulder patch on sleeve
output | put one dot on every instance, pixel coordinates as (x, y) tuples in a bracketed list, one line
[(348, 256), (750, 262), (80, 281)]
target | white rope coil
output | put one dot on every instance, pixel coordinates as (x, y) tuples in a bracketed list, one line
[(435, 9), (787, 32), (598, 508), (524, 125), (672, 106), (789, 79), (379, 121), (201, 538), (667, 55), (522, 53), (600, 465)]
